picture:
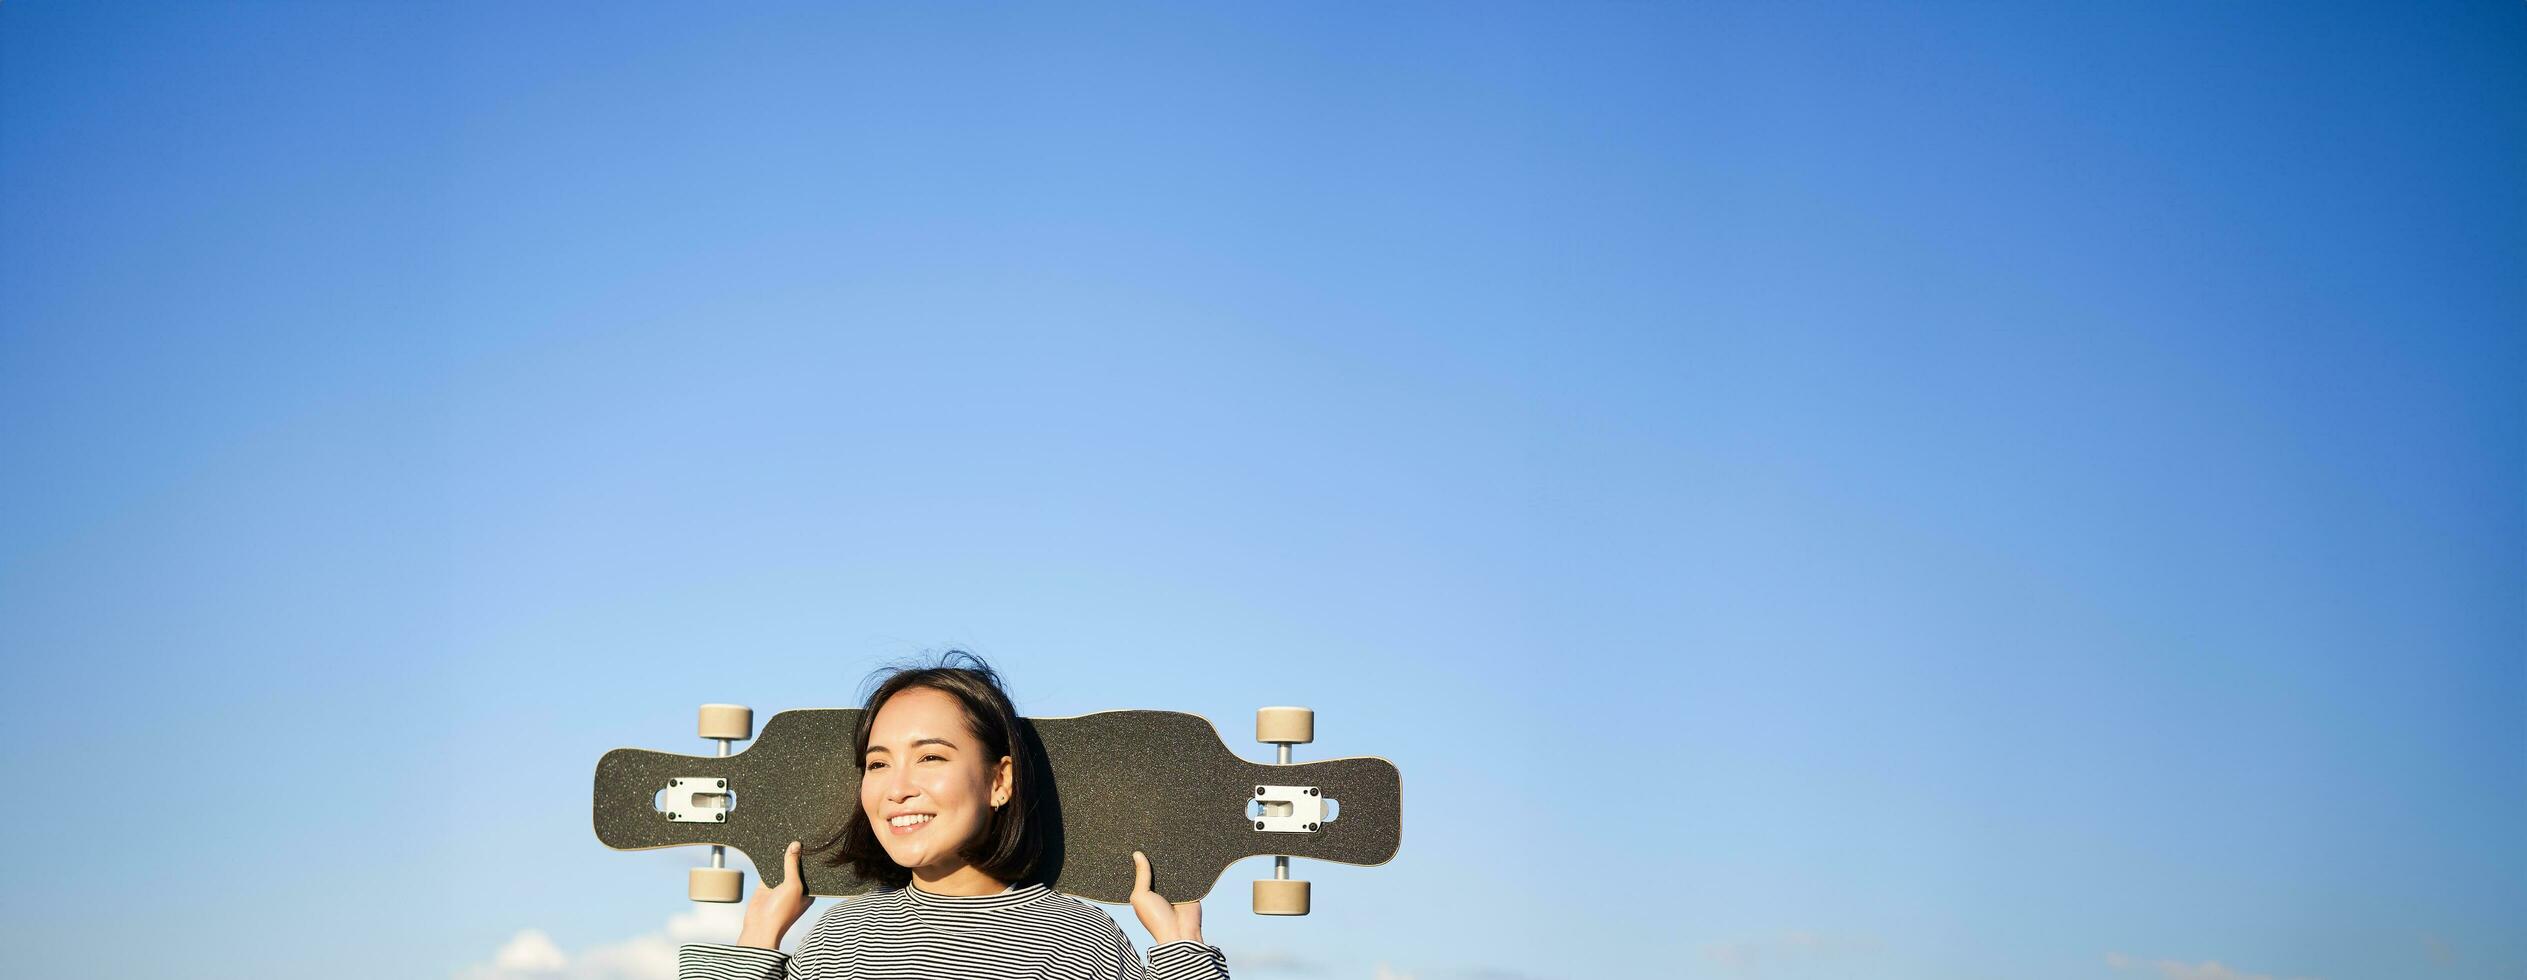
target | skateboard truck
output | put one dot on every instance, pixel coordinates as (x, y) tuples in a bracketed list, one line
[(1290, 809), (1286, 809), (696, 799)]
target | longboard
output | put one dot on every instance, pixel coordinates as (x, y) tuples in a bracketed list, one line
[(1159, 782)]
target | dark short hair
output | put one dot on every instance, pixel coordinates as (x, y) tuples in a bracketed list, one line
[(1011, 846)]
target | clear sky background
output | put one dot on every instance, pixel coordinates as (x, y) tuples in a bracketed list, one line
[(1858, 491)]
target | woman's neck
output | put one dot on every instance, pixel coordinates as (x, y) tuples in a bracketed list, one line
[(964, 879)]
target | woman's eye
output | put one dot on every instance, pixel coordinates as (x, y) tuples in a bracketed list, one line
[(872, 765), (927, 758)]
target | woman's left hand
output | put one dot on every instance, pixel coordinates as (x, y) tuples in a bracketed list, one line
[(1166, 922)]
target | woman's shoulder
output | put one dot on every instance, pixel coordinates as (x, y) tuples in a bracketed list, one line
[(1077, 915), (1065, 901), (1080, 932)]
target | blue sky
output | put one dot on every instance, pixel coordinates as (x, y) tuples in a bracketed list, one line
[(1878, 491)]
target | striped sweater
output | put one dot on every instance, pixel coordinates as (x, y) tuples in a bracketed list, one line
[(1029, 932)]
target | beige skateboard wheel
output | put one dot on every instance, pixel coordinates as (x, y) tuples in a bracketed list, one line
[(1280, 896), (715, 884), (728, 721), (1285, 725)]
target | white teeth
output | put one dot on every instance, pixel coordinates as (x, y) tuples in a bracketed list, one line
[(910, 819)]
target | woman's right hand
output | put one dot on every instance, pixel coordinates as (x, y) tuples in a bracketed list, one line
[(771, 912)]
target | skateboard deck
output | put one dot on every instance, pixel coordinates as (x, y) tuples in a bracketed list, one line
[(1159, 782)]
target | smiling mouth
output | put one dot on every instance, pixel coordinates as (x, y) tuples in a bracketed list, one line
[(900, 830)]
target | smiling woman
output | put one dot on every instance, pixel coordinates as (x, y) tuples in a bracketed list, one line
[(940, 758), (951, 825)]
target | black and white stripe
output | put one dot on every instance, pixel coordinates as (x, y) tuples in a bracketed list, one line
[(1029, 932)]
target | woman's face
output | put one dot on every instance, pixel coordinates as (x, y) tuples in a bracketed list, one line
[(924, 782)]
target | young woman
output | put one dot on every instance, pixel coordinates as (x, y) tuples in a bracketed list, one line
[(950, 824)]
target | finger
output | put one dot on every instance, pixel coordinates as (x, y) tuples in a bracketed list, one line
[(789, 865), (1140, 872)]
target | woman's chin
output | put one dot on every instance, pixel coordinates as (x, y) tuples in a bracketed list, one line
[(913, 857)]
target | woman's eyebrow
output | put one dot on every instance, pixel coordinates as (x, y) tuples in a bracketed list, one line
[(917, 743)]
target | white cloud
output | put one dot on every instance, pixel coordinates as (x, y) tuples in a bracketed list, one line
[(531, 951), (1384, 973), (531, 955), (2180, 970)]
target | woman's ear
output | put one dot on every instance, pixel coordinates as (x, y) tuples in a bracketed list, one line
[(1001, 782)]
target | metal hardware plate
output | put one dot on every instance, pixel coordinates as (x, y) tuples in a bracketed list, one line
[(1290, 809), (698, 799)]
